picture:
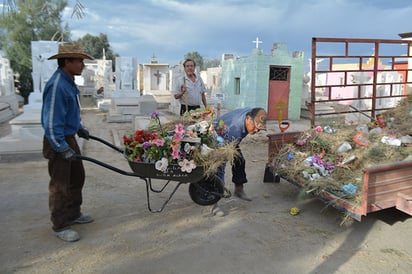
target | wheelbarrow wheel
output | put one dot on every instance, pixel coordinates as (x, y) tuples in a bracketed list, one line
[(207, 191)]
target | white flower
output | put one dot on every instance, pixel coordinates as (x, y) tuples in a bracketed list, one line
[(203, 127), (191, 127), (187, 166), (188, 148), (162, 165)]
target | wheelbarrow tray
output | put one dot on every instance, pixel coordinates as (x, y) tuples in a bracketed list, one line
[(173, 172), (204, 190)]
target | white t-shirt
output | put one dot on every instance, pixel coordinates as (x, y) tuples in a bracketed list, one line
[(194, 90)]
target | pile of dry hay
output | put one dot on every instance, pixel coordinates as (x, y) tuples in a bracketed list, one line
[(290, 160)]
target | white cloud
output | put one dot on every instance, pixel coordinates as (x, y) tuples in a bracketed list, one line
[(172, 28)]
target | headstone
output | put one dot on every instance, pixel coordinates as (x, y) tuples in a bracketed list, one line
[(88, 87), (9, 107), (126, 74), (148, 105), (105, 84), (6, 77), (155, 81), (175, 72), (42, 69), (26, 130), (104, 77), (125, 99), (212, 77)]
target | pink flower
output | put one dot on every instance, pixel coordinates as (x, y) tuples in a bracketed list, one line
[(179, 132), (300, 142), (175, 153), (318, 129), (158, 142), (191, 134)]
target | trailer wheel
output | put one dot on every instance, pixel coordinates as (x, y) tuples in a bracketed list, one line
[(207, 191)]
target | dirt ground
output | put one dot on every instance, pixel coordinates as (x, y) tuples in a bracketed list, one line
[(255, 237)]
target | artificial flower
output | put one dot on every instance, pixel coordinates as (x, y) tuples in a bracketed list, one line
[(187, 166), (174, 146), (187, 148), (162, 165), (318, 129)]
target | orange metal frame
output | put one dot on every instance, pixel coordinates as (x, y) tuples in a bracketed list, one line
[(348, 55)]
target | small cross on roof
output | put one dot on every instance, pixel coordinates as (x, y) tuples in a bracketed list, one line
[(257, 42)]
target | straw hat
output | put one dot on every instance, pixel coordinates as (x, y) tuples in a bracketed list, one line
[(71, 50)]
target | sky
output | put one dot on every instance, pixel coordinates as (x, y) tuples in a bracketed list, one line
[(168, 29)]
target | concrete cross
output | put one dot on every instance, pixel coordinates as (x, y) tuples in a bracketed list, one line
[(158, 76), (257, 42)]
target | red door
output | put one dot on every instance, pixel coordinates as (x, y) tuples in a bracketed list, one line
[(278, 94)]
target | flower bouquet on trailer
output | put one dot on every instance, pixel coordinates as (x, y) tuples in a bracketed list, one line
[(189, 142)]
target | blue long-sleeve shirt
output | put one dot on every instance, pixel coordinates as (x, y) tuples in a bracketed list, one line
[(235, 123), (60, 114)]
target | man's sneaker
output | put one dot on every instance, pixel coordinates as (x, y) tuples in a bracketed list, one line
[(217, 211), (83, 219), (242, 195), (68, 235)]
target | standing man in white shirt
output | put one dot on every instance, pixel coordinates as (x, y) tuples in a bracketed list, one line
[(190, 89)]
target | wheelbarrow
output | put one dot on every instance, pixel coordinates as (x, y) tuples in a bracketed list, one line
[(203, 190)]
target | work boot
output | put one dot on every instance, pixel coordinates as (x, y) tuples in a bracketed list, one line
[(68, 235), (83, 219), (240, 193)]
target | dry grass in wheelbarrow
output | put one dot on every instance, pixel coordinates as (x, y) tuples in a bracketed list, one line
[(216, 158)]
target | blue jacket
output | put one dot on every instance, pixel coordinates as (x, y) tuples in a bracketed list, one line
[(60, 115), (235, 123)]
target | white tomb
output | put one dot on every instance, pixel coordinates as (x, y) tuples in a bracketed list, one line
[(86, 82), (154, 80), (104, 79), (9, 106), (26, 130), (125, 103), (42, 70), (175, 72)]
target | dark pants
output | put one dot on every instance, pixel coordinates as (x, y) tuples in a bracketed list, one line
[(65, 186), (189, 108), (238, 169)]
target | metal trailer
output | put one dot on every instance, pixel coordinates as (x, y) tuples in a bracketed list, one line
[(383, 186)]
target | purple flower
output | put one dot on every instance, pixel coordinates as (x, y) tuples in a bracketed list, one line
[(146, 145), (154, 115)]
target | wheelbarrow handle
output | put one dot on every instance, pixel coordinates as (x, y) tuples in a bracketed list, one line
[(106, 143), (105, 165)]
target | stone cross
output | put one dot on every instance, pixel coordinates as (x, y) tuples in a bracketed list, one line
[(257, 42), (158, 76)]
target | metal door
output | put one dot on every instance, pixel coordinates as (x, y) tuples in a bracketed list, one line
[(278, 94)]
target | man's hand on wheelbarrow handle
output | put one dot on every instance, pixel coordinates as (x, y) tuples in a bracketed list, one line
[(69, 154), (83, 133)]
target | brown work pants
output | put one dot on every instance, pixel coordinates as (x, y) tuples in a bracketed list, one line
[(65, 186)]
